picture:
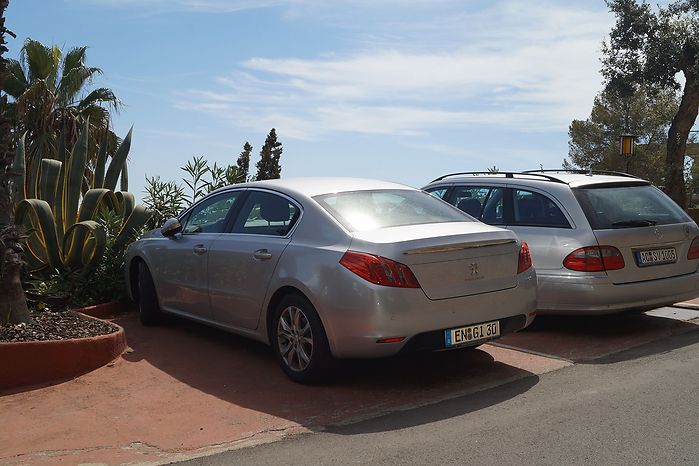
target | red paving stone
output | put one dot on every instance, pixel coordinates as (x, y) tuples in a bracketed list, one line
[(587, 338), (187, 390)]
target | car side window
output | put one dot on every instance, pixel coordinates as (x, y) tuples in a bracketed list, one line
[(210, 215), (534, 209), (481, 202), (438, 192), (265, 213)]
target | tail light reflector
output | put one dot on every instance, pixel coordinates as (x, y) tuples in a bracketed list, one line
[(693, 252), (594, 259), (390, 340), (379, 270), (525, 258)]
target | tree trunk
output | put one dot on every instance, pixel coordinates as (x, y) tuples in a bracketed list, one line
[(13, 304), (677, 141)]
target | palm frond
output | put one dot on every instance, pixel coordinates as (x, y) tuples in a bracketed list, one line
[(16, 82), (72, 83), (100, 95), (41, 61), (75, 58), (99, 116)]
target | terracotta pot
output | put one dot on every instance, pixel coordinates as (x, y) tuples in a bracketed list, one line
[(39, 362), (102, 311)]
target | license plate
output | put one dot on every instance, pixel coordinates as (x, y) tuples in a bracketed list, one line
[(656, 256), (463, 335)]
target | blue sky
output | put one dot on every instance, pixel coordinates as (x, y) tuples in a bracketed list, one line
[(402, 90)]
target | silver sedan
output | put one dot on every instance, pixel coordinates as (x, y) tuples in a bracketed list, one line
[(335, 268)]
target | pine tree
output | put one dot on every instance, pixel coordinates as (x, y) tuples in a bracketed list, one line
[(244, 162), (268, 167)]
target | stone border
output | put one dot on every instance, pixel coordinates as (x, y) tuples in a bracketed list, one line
[(102, 311), (39, 362)]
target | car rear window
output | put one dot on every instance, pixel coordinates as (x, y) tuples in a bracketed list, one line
[(627, 206), (372, 210)]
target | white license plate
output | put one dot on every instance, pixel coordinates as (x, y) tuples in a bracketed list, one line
[(463, 335), (656, 256)]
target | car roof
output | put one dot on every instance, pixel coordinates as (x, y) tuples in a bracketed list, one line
[(571, 178), (314, 186)]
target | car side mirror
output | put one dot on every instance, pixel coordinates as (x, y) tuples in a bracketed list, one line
[(171, 227)]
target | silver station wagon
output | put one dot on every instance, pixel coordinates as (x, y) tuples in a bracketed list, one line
[(335, 268), (601, 242)]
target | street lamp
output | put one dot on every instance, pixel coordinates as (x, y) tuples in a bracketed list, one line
[(626, 145)]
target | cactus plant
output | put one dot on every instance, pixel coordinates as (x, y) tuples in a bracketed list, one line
[(64, 233)]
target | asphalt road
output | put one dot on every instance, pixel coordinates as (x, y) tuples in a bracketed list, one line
[(640, 406)]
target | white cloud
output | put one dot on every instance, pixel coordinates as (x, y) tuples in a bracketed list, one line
[(513, 65), (292, 7)]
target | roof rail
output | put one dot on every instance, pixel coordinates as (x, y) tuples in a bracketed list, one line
[(507, 175), (583, 172)]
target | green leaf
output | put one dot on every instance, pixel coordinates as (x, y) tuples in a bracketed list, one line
[(35, 159), (94, 201), (50, 169), (59, 205), (124, 178), (74, 180), (36, 216), (19, 170), (98, 181), (138, 218), (84, 244), (127, 202), (118, 162)]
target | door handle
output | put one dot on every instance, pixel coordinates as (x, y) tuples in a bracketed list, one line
[(199, 249), (262, 255)]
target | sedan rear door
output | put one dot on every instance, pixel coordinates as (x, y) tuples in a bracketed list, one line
[(242, 261)]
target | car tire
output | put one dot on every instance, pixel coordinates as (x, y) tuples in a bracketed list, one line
[(299, 340), (148, 307)]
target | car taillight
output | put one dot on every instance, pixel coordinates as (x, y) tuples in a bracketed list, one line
[(693, 252), (594, 259), (525, 258), (379, 270)]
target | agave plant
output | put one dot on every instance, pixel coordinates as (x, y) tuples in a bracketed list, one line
[(61, 216)]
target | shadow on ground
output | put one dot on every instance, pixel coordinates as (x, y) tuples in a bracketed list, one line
[(245, 373), (436, 412), (586, 339)]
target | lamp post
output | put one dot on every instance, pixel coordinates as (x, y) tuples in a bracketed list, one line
[(627, 147)]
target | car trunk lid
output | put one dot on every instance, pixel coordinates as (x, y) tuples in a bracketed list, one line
[(650, 252), (449, 259)]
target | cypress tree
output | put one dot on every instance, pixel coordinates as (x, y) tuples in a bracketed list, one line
[(268, 167), (243, 162)]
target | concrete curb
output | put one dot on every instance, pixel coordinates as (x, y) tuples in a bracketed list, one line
[(687, 305)]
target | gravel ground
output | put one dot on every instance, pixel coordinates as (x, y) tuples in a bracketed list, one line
[(49, 325)]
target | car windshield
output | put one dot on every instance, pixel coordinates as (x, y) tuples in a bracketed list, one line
[(627, 206), (372, 210)]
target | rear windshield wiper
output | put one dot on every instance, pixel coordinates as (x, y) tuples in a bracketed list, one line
[(634, 223)]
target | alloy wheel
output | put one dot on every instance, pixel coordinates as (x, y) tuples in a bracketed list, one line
[(295, 338)]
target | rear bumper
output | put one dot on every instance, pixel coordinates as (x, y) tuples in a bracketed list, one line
[(596, 295), (363, 313), (434, 340)]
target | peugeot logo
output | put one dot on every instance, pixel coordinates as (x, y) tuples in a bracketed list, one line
[(658, 234), (474, 268)]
